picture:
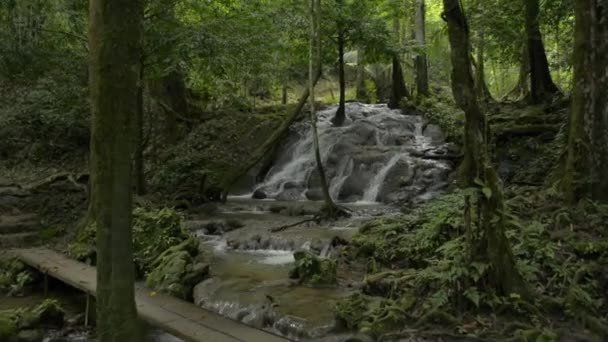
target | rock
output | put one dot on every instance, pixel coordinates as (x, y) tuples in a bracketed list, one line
[(213, 228), (314, 195), (435, 133), (205, 290), (292, 194), (30, 335), (259, 194)]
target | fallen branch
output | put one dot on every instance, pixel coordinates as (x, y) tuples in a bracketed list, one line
[(291, 225)]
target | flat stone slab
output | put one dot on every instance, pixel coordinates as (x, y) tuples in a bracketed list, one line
[(180, 318)]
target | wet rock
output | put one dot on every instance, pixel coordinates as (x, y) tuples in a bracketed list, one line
[(292, 327), (435, 133), (314, 194), (205, 290), (292, 194), (259, 194), (214, 228)]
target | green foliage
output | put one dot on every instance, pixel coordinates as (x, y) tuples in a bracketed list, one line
[(154, 231), (312, 270), (15, 278)]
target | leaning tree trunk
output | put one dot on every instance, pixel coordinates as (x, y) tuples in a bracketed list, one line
[(587, 152), (492, 245), (115, 33), (340, 116), (420, 62), (542, 88)]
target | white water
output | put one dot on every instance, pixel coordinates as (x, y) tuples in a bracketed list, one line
[(374, 187)]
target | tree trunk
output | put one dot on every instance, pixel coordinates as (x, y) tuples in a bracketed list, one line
[(361, 89), (493, 245), (521, 91), (420, 62), (140, 180), (267, 147), (587, 153), (115, 33), (314, 65), (398, 88), (483, 92), (340, 116), (542, 87), (174, 93), (284, 94)]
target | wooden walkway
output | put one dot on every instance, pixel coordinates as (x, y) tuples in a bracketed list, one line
[(177, 317)]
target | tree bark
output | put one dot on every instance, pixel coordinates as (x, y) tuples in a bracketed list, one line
[(492, 245), (115, 34), (587, 152), (140, 179), (542, 87), (284, 94), (420, 62), (340, 116)]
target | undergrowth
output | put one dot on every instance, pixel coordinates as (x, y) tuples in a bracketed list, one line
[(420, 273)]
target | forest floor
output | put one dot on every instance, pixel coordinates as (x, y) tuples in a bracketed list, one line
[(417, 281)]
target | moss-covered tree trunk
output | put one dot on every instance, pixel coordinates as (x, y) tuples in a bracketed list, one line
[(492, 246), (115, 34), (586, 171), (542, 88), (420, 62), (340, 116)]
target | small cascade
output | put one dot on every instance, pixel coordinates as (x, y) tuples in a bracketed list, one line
[(364, 159), (371, 193)]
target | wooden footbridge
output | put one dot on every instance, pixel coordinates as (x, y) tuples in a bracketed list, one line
[(179, 318)]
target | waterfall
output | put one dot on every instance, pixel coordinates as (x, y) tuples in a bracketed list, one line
[(371, 193), (361, 158)]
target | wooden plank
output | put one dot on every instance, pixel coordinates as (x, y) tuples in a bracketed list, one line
[(182, 319)]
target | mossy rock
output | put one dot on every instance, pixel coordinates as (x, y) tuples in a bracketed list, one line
[(176, 271), (312, 270)]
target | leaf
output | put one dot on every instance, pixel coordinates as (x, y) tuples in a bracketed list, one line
[(473, 295), (487, 192), (479, 182), (514, 296)]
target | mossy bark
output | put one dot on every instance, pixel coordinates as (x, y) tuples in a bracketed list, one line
[(541, 84), (587, 151), (521, 90), (492, 245), (483, 92), (115, 32), (398, 88)]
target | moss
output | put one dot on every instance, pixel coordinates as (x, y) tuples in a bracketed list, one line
[(312, 270), (8, 328), (177, 270)]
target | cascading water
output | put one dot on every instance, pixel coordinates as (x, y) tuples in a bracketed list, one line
[(377, 155)]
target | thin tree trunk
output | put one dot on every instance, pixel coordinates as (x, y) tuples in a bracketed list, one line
[(493, 245), (542, 87), (420, 62), (313, 66), (267, 147), (480, 73), (340, 116), (361, 90), (115, 34), (521, 91), (284, 94), (398, 88), (587, 157), (140, 180)]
